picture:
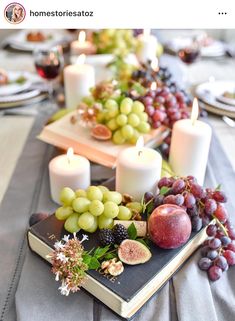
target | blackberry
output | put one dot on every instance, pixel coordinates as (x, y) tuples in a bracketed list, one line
[(120, 233), (106, 237)]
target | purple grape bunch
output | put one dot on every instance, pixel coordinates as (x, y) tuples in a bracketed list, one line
[(202, 206)]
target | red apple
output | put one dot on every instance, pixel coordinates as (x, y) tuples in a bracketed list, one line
[(169, 226)]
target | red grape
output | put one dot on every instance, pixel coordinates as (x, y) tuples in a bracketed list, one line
[(204, 263), (211, 230), (231, 246), (189, 200), (210, 206), (178, 186), (214, 273), (197, 190), (212, 254), (221, 262), (196, 223), (230, 257), (221, 213), (220, 197), (214, 243), (179, 199), (165, 181), (225, 240)]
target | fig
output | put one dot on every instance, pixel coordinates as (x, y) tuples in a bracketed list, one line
[(101, 132), (133, 252)]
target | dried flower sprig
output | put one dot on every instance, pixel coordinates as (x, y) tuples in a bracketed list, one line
[(68, 264)]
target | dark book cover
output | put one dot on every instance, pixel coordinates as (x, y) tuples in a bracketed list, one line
[(134, 278)]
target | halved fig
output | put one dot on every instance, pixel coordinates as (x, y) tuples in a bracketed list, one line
[(133, 252), (101, 132)]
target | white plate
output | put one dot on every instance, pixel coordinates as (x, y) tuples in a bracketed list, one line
[(19, 40), (12, 87), (211, 93)]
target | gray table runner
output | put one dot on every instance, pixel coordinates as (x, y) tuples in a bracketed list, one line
[(28, 291)]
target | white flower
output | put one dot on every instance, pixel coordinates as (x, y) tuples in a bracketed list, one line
[(58, 245), (60, 256), (84, 238), (65, 238), (74, 236), (64, 289), (57, 276)]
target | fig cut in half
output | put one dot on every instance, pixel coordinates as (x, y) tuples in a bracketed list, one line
[(133, 252), (101, 132)]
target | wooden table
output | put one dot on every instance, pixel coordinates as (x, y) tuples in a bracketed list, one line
[(14, 129)]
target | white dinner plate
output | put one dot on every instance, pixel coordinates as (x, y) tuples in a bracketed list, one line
[(211, 93), (19, 40), (13, 87)]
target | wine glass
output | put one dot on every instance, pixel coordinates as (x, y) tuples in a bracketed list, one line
[(49, 63), (188, 55)]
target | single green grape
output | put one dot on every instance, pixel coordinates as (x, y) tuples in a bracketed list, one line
[(67, 195), (133, 120), (135, 206), (134, 137), (96, 207), (113, 196), (94, 193), (121, 120), (137, 107), (127, 131), (126, 105), (118, 138), (63, 212), (144, 127), (100, 118), (143, 116), (124, 213), (81, 204), (110, 103), (103, 188), (94, 227), (105, 222), (113, 112), (86, 220), (110, 209), (80, 193), (71, 224), (112, 124)]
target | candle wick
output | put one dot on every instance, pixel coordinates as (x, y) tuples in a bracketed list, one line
[(140, 152)]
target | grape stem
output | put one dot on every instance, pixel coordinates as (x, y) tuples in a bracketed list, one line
[(221, 225)]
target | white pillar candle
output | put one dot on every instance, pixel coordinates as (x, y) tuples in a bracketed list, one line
[(138, 170), (190, 144), (82, 46), (148, 46), (68, 171), (78, 79)]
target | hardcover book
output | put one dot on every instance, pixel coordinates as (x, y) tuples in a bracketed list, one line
[(128, 292), (64, 134)]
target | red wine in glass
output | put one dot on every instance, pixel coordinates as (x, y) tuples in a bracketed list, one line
[(189, 55), (48, 70)]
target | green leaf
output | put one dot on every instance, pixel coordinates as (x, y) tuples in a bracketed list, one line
[(143, 242), (218, 188), (132, 232), (86, 258), (94, 264), (110, 256), (164, 190), (100, 251)]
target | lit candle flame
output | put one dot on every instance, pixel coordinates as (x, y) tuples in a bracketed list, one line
[(154, 64), (140, 145), (146, 32), (82, 37), (153, 85), (195, 111), (70, 154), (81, 59)]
